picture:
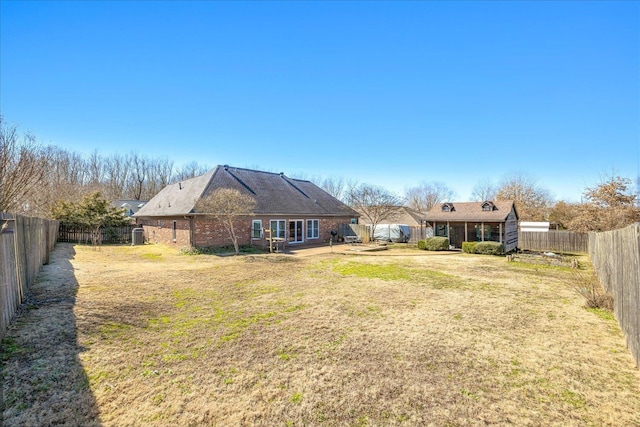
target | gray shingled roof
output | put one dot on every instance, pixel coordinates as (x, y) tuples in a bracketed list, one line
[(403, 215), (275, 194), (471, 212), (128, 204)]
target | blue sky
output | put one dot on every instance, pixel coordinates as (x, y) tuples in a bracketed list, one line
[(387, 93)]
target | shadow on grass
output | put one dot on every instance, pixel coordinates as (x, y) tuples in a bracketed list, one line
[(43, 381)]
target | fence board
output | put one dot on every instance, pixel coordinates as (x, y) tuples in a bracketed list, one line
[(109, 234), (616, 258), (419, 233), (554, 241), (24, 246), (364, 232), (359, 230)]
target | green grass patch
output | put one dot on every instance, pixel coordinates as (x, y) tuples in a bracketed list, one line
[(374, 271), (404, 272), (11, 348), (574, 399), (538, 270), (114, 330), (603, 314)]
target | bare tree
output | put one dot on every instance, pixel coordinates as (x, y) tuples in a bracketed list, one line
[(426, 195), (95, 166), (226, 205), (161, 173), (638, 190), (531, 200), (22, 170), (375, 203), (484, 190), (610, 204), (138, 175), (117, 170), (338, 187), (190, 170)]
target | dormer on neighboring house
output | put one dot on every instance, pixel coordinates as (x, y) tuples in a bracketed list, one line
[(129, 207), (488, 206), (448, 207)]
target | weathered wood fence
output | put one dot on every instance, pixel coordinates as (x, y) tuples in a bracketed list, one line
[(25, 244), (419, 233), (616, 258), (72, 234), (364, 232), (554, 241), (359, 230)]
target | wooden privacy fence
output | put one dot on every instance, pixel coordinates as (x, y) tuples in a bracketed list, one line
[(72, 234), (25, 244), (616, 258), (554, 241), (364, 232), (419, 233), (359, 230)]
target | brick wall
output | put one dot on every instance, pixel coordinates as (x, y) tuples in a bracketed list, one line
[(209, 232), (162, 231)]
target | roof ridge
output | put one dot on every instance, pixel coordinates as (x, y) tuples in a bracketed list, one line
[(286, 179), (265, 172), (240, 181)]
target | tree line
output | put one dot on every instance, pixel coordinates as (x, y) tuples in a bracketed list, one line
[(36, 179)]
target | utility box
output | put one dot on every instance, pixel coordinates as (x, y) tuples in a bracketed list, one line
[(137, 236)]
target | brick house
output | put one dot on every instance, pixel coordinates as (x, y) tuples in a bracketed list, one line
[(495, 221), (295, 210)]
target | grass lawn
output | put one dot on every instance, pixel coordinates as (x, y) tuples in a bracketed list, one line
[(147, 336)]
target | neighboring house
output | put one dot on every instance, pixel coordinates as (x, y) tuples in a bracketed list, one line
[(295, 210), (403, 223), (401, 215), (130, 207), (495, 221)]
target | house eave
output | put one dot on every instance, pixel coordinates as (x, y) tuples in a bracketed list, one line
[(253, 214), (464, 219)]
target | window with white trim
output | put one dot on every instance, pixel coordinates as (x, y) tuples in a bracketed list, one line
[(256, 229), (277, 227), (313, 229)]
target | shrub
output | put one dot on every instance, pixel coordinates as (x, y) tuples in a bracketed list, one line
[(588, 285), (469, 247), (436, 244), (489, 248), (422, 244)]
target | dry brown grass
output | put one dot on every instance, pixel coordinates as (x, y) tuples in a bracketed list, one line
[(145, 336)]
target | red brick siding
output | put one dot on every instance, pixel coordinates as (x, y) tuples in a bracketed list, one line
[(161, 231), (209, 232)]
